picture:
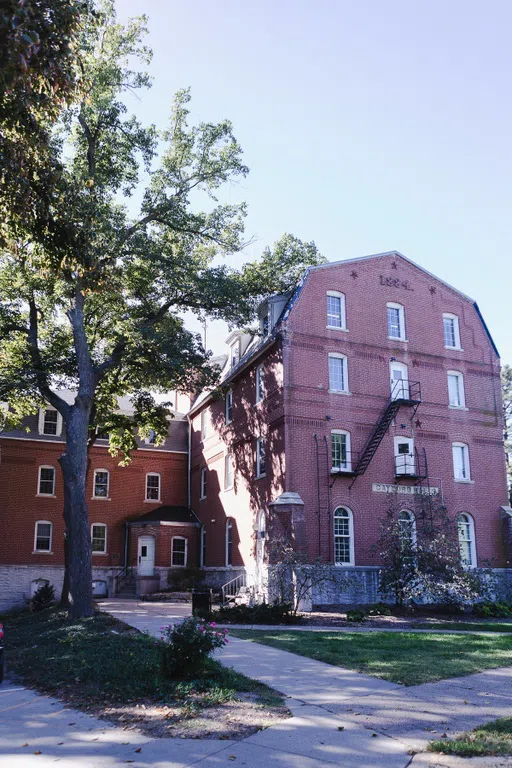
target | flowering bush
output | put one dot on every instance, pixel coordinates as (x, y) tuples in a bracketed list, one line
[(188, 645)]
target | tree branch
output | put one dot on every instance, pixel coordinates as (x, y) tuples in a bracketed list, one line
[(37, 363)]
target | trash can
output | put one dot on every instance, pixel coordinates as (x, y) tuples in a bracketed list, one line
[(201, 602)]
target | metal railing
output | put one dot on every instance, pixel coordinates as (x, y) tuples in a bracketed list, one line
[(411, 464), (406, 391), (233, 588)]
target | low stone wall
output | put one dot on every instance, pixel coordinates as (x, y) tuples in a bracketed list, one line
[(16, 582)]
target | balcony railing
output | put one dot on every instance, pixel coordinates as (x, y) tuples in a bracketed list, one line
[(412, 465), (405, 391)]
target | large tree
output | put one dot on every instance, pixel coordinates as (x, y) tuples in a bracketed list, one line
[(92, 296), (506, 389)]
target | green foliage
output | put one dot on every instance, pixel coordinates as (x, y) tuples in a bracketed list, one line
[(422, 562), (188, 645), (260, 613), (494, 738), (356, 615), (493, 610), (185, 579), (401, 657), (43, 598), (379, 609)]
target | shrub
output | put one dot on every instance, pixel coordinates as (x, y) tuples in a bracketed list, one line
[(185, 579), (356, 615), (379, 609), (261, 613), (495, 610), (188, 646), (44, 598)]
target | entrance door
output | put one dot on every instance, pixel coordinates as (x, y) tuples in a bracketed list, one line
[(146, 559), (399, 381), (404, 456)]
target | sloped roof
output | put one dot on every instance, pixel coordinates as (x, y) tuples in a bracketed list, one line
[(166, 514)]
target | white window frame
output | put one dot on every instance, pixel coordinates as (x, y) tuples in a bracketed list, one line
[(456, 330), (344, 359), (203, 545), (342, 314), (399, 392), (44, 551), (401, 320), (228, 406), (153, 474), (202, 483), (47, 495), (228, 462), (469, 522), (466, 463), (148, 439), (99, 551), (408, 465), (229, 529), (179, 538), (204, 424), (350, 536), (460, 386), (94, 496), (234, 354), (260, 448), (347, 467), (260, 383), (42, 412), (411, 520)]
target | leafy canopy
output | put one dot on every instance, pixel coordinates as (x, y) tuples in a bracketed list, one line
[(92, 296)]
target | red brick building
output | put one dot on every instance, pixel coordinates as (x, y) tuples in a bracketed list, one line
[(374, 384), (139, 514)]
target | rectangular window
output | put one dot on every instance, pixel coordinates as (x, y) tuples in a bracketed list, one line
[(456, 389), (43, 537), (229, 407), (340, 450), (46, 486), (152, 437), (338, 379), (50, 422), (265, 326), (451, 331), (235, 353), (335, 310), (396, 321), (179, 552), (203, 482), (101, 483), (153, 487), (260, 457), (260, 384), (460, 461), (228, 471), (99, 538), (204, 415)]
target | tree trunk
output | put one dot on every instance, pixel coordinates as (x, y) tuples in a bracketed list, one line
[(74, 471), (65, 597)]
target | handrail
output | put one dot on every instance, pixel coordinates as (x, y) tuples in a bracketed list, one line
[(231, 588)]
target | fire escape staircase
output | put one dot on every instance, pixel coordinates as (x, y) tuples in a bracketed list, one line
[(403, 393)]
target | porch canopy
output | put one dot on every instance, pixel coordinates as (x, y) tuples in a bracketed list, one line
[(166, 515)]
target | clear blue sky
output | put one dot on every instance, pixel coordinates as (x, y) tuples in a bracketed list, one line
[(368, 126)]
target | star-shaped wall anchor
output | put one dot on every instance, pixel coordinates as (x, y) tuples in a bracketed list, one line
[(418, 423), (353, 273), (394, 265), (432, 289)]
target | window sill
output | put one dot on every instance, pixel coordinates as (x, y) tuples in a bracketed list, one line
[(340, 470), (104, 554), (202, 498), (152, 501), (339, 392), (101, 498), (259, 477), (454, 349), (45, 496), (394, 338), (464, 482), (229, 488), (41, 552), (178, 566), (458, 408), (336, 328), (343, 565)]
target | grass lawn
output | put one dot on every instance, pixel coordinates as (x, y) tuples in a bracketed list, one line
[(111, 670), (400, 657), (472, 626), (492, 739)]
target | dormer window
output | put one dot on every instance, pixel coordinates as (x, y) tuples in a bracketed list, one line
[(235, 353), (50, 422), (264, 325)]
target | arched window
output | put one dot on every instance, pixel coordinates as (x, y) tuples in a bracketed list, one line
[(336, 310), (203, 546), (343, 537), (229, 542), (467, 545), (396, 321), (407, 529)]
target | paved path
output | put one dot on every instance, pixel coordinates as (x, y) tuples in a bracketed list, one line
[(340, 717)]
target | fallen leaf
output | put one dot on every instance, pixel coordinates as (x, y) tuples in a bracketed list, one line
[(25, 744), (38, 752), (374, 735), (139, 749), (341, 727), (232, 757), (71, 723)]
